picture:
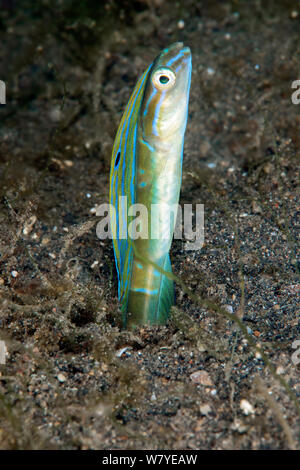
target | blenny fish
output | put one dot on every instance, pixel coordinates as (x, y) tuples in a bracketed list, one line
[(146, 169)]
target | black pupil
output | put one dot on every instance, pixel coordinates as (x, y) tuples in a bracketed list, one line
[(163, 79), (117, 158)]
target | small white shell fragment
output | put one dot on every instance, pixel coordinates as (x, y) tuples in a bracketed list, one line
[(94, 264), (45, 240), (181, 24), (280, 370), (201, 377), (101, 410), (229, 308), (246, 407), (55, 114), (205, 409), (3, 352), (239, 426), (14, 273), (210, 71)]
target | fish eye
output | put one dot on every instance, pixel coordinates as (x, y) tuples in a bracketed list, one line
[(164, 78)]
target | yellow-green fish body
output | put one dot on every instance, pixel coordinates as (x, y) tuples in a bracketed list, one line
[(146, 168)]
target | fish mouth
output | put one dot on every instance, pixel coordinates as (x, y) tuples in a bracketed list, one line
[(186, 50)]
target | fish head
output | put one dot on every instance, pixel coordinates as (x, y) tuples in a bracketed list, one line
[(165, 103)]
